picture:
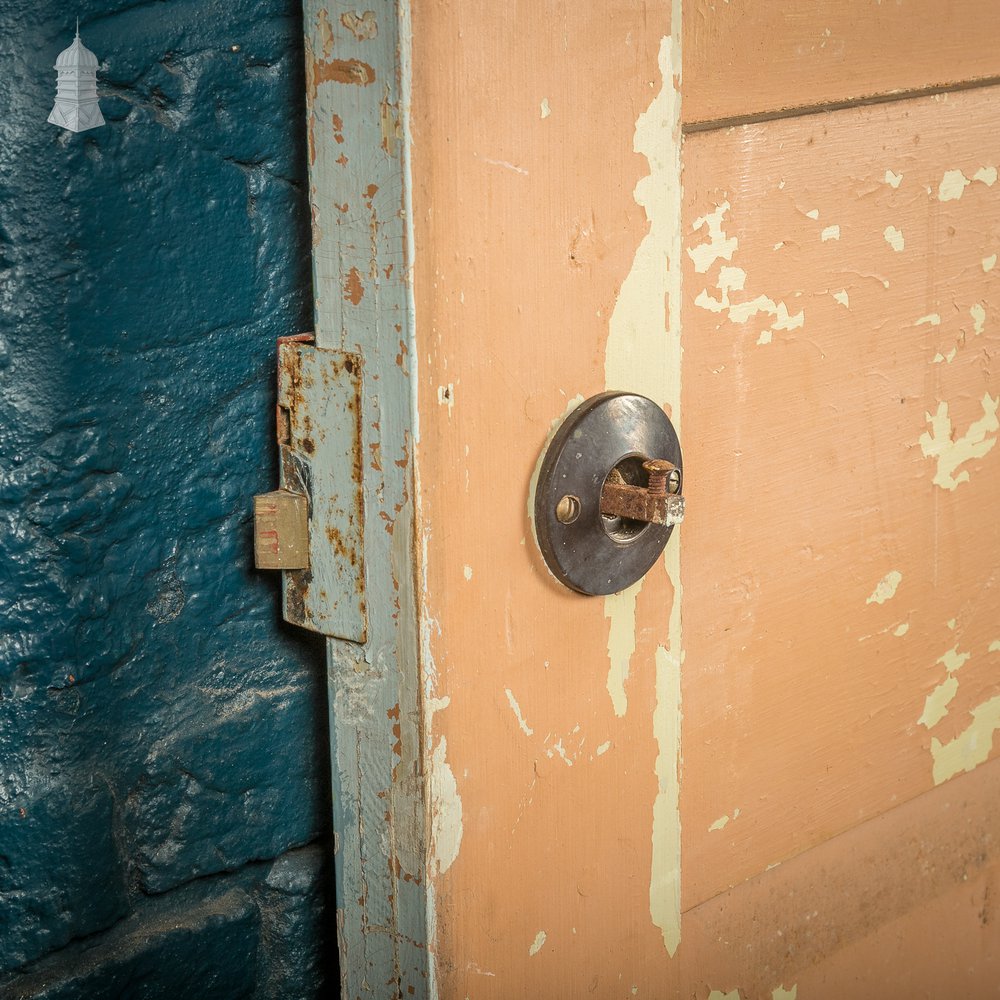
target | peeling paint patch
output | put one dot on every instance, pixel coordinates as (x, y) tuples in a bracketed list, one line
[(894, 238), (937, 702), (719, 246), (994, 646), (446, 810), (954, 182), (446, 396), (780, 993), (971, 747), (886, 588), (952, 186), (544, 108), (719, 824), (978, 314), (603, 748), (893, 180), (830, 233), (951, 453), (719, 995), (813, 214), (989, 263), (467, 572), (733, 279), (620, 609), (536, 945), (843, 298), (364, 26), (901, 630), (516, 709)]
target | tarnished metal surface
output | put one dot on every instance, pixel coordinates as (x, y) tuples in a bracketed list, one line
[(619, 529), (319, 438)]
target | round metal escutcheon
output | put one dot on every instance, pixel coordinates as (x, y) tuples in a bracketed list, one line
[(586, 550)]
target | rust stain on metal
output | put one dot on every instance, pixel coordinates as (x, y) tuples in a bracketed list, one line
[(354, 291), (364, 26)]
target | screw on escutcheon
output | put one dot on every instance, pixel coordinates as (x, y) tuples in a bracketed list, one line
[(659, 470)]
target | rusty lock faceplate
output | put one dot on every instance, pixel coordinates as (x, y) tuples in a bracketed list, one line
[(608, 493), (321, 498)]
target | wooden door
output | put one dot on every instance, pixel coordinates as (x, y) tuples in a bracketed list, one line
[(768, 769)]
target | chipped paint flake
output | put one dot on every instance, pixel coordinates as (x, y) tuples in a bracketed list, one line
[(830, 233), (620, 609), (603, 748), (989, 263), (467, 572), (719, 824), (894, 238), (893, 180), (446, 810), (843, 298), (780, 993), (931, 319), (813, 214), (971, 747), (719, 246), (978, 314), (886, 588), (545, 109), (900, 630), (516, 709), (536, 945), (950, 453), (952, 186), (719, 995), (937, 702), (986, 175), (446, 396)]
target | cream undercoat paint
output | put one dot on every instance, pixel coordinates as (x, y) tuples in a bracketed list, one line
[(893, 180), (886, 588), (719, 995), (994, 646), (813, 214), (446, 810), (933, 319), (951, 453), (989, 263), (971, 747), (780, 993), (544, 108), (603, 748), (937, 702), (978, 314), (894, 238), (901, 630), (644, 355), (536, 945), (830, 233), (733, 279), (467, 572), (954, 182), (843, 298), (516, 709)]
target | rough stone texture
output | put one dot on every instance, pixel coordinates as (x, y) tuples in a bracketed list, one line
[(157, 723)]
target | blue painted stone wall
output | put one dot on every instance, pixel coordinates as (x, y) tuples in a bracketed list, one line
[(163, 762)]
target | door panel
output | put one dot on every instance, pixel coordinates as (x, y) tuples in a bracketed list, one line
[(746, 58)]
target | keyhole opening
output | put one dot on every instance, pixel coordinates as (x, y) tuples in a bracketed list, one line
[(629, 471)]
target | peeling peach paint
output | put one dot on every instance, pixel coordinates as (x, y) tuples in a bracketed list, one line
[(954, 182), (886, 588), (950, 453), (894, 238), (516, 709), (936, 703), (971, 747), (536, 945), (446, 810)]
